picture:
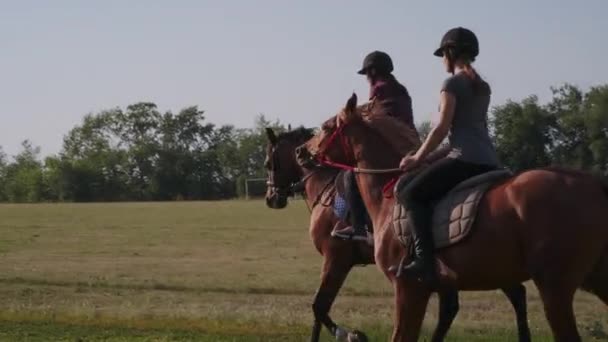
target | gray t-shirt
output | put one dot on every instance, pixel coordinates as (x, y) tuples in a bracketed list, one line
[(469, 137)]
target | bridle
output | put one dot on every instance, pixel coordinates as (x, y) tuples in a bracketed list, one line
[(338, 134), (323, 160), (298, 187), (291, 189), (284, 191), (321, 156)]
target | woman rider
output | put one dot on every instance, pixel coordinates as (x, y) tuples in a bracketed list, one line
[(389, 97), (464, 102)]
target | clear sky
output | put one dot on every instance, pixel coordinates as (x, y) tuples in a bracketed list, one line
[(292, 60)]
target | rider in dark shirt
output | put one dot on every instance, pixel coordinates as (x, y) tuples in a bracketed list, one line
[(388, 97)]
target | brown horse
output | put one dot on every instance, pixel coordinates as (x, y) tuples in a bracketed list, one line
[(340, 256), (548, 225)]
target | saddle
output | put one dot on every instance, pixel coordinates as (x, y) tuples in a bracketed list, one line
[(454, 214)]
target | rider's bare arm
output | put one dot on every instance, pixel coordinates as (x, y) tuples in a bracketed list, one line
[(439, 132)]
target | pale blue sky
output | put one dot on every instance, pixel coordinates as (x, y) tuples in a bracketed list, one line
[(295, 61)]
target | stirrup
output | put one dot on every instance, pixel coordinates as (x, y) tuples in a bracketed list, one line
[(353, 236), (427, 275)]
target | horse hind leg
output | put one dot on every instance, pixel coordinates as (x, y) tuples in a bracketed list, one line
[(517, 297), (597, 281), (557, 302), (448, 309)]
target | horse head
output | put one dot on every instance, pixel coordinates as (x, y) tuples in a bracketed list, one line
[(357, 138), (281, 165), (325, 144)]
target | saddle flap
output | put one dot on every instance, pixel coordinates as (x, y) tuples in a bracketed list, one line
[(454, 215)]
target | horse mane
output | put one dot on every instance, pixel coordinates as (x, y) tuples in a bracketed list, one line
[(330, 124), (402, 137), (299, 134)]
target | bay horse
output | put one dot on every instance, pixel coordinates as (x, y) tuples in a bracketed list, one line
[(286, 176), (547, 225), (339, 256)]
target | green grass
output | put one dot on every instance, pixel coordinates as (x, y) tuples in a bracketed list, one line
[(42, 331), (45, 331), (203, 271)]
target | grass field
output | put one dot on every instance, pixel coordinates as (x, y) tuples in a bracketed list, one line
[(202, 271)]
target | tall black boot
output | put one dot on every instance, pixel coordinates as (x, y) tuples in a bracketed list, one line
[(357, 207), (423, 265)]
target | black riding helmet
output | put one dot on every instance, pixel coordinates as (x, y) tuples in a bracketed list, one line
[(462, 40), (378, 60)]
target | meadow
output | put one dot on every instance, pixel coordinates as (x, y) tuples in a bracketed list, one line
[(203, 271)]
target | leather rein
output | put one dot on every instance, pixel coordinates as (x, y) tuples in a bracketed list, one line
[(323, 160)]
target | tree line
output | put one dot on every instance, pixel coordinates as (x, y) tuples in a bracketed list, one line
[(141, 154)]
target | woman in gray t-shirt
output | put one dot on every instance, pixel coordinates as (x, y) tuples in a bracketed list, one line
[(465, 98)]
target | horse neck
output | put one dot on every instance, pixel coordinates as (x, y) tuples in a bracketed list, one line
[(316, 184), (375, 154)]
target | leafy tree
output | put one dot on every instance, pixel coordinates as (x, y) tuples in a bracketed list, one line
[(596, 122), (138, 132), (569, 138), (582, 128), (24, 181), (93, 166), (183, 167), (521, 132), (3, 165)]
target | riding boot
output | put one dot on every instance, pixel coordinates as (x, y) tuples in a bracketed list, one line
[(357, 207), (357, 213), (423, 264)]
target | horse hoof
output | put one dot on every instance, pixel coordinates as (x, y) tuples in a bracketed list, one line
[(357, 336)]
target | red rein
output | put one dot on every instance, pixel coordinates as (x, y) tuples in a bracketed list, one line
[(387, 189)]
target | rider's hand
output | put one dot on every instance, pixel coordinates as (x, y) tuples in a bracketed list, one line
[(409, 162)]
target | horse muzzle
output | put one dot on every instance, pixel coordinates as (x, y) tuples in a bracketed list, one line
[(275, 200)]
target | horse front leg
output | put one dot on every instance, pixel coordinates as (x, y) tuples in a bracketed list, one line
[(411, 300), (316, 331), (335, 270)]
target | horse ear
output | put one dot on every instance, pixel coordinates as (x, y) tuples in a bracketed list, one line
[(351, 104), (350, 111), (272, 137)]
